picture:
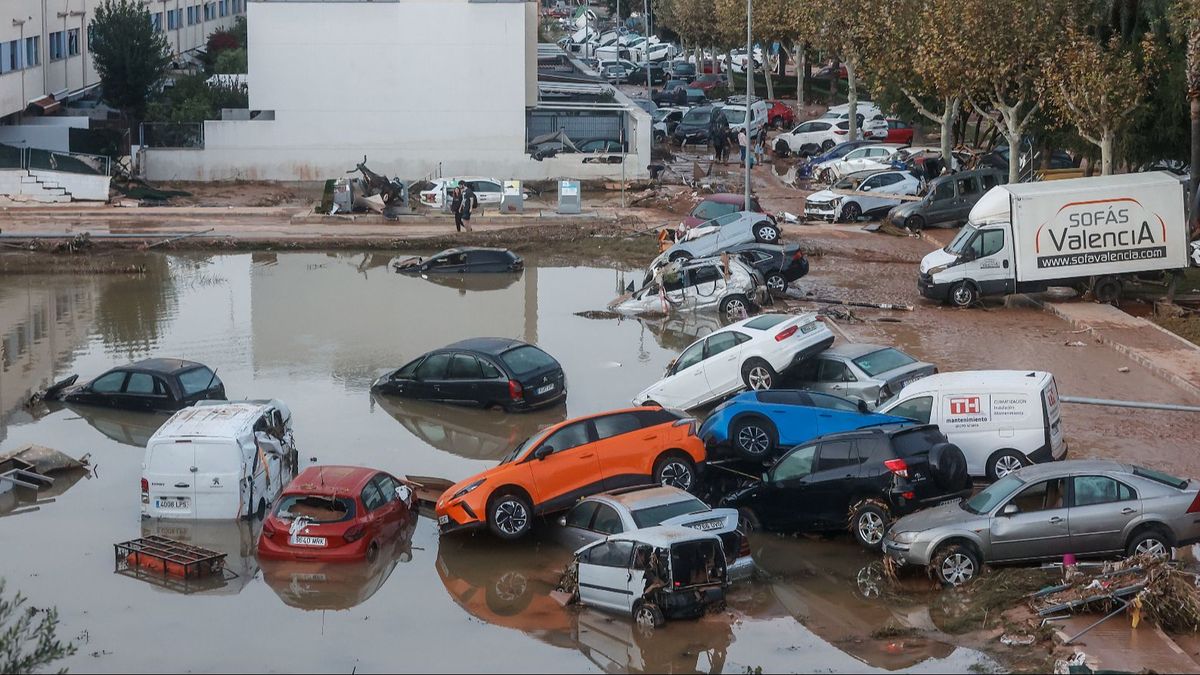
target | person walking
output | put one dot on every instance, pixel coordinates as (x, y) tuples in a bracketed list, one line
[(744, 142), (455, 207), (760, 144), (469, 202), (720, 144)]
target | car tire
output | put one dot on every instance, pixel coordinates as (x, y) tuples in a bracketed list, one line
[(948, 466), (753, 437), (1004, 462), (827, 145), (869, 522), (777, 121), (676, 470), (1150, 541), (782, 149), (509, 594), (963, 294), (748, 521), (758, 375), (851, 212), (766, 233), (660, 137), (955, 565), (1106, 290), (914, 223), (777, 284), (509, 516), (734, 307), (679, 255), (646, 617)]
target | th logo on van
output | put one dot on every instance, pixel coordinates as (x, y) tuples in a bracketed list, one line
[(964, 405)]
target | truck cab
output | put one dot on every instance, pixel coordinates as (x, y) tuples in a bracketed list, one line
[(980, 254)]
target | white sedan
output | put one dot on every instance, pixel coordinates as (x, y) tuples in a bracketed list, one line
[(487, 190), (867, 158), (748, 354), (834, 204)]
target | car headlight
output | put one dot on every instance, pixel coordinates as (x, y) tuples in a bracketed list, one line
[(468, 488), (904, 537), (939, 268)]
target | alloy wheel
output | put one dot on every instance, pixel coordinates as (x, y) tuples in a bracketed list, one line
[(676, 474), (776, 284), (957, 569), (1151, 547), (759, 378), (753, 440), (870, 527), (510, 586), (767, 234), (511, 516), (963, 295), (735, 309), (1006, 465)]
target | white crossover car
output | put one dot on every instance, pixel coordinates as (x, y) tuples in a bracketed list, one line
[(700, 284), (874, 198), (867, 158), (751, 353)]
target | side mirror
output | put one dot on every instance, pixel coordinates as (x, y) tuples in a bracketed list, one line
[(671, 366), (865, 188), (562, 521), (1010, 510), (766, 478), (404, 493), (543, 452), (863, 407)]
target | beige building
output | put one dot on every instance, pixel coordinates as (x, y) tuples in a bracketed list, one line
[(44, 44)]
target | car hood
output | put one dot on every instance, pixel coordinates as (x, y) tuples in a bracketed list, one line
[(945, 515), (935, 259), (824, 196)]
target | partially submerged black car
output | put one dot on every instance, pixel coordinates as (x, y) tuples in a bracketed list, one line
[(858, 480), (780, 264), (486, 372), (463, 261), (152, 384)]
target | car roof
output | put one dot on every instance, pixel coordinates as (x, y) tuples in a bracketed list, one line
[(645, 497), (664, 536), (164, 366), (1050, 469), (853, 350), (726, 198), (968, 380), (469, 249), (226, 420), (890, 429), (487, 345), (455, 179), (332, 479)]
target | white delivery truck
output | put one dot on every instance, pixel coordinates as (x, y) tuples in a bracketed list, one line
[(1086, 233)]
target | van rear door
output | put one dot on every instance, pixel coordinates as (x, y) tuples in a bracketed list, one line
[(1052, 412), (170, 472), (220, 469)]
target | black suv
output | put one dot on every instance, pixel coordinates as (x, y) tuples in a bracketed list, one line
[(857, 480)]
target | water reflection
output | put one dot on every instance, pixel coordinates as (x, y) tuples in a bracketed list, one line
[(467, 432), (474, 282), (131, 309), (337, 585), (21, 500), (123, 426), (680, 329)]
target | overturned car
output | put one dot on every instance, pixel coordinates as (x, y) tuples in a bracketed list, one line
[(724, 283)]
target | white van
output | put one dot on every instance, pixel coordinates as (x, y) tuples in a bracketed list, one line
[(218, 460), (1002, 419)]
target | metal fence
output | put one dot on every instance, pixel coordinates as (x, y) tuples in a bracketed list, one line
[(14, 157), (579, 125), (171, 135)]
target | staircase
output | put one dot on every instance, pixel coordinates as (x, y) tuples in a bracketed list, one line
[(20, 185)]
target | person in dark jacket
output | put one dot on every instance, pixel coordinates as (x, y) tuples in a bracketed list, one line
[(469, 202), (456, 206)]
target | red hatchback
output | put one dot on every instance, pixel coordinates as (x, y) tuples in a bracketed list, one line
[(336, 513), (780, 115), (899, 131)]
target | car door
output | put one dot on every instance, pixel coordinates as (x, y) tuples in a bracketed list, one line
[(833, 481), (464, 378), (576, 529), (430, 377), (621, 446), (486, 191), (393, 515), (493, 388), (831, 376), (993, 253), (1101, 509), (143, 391), (605, 577), (968, 192), (104, 390), (783, 501), (723, 361), (564, 467), (447, 263), (835, 414), (685, 385), (942, 203), (793, 414), (1036, 528)]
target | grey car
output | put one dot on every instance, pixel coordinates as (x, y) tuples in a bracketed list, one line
[(721, 234), (1093, 508), (597, 517), (857, 370), (948, 200)]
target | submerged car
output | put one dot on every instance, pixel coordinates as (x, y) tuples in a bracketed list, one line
[(556, 466), (337, 513), (486, 372), (468, 260), (654, 574), (780, 265), (749, 354), (836, 204), (753, 424), (703, 284), (151, 385), (862, 371), (635, 508), (1093, 508), (857, 480)]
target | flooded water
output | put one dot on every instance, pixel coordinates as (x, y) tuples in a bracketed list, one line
[(314, 330)]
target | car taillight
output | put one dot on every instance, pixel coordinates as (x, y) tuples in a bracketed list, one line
[(798, 255), (839, 132), (515, 390), (744, 547), (354, 533), (1195, 507), (145, 491), (897, 466), (268, 530), (786, 333)]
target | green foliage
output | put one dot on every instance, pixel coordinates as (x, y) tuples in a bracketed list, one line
[(129, 56), (230, 61), (193, 100), (27, 636)]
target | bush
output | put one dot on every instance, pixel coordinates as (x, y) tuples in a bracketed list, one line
[(28, 644), (230, 61), (193, 100)]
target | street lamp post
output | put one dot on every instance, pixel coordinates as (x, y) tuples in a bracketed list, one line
[(749, 70)]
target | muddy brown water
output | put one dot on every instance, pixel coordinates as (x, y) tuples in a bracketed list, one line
[(314, 330)]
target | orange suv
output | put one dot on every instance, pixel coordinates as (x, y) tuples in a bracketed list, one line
[(553, 468)]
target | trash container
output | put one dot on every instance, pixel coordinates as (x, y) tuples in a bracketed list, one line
[(568, 197), (511, 200)]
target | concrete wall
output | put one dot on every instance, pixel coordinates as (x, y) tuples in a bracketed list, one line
[(16, 184), (81, 186)]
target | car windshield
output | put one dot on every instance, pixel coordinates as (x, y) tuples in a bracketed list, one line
[(655, 515), (660, 114), (882, 361), (519, 450), (735, 117), (767, 321), (962, 240), (527, 359), (991, 496), (317, 508), (697, 116), (197, 380)]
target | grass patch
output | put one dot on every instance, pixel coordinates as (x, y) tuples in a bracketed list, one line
[(1186, 327)]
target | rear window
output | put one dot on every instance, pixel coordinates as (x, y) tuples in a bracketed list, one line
[(197, 380), (882, 361), (527, 359), (767, 321), (655, 515), (1160, 477), (917, 441), (317, 508)]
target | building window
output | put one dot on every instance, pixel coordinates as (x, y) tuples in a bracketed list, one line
[(224, 7), (237, 6), (91, 35), (156, 21), (73, 42), (56, 46), (10, 56), (33, 51)]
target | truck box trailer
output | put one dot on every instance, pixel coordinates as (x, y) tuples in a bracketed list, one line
[(1087, 233)]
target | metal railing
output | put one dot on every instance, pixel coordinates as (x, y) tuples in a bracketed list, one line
[(35, 159), (171, 135)]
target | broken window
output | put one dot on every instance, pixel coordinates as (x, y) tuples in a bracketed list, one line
[(696, 563), (317, 508)]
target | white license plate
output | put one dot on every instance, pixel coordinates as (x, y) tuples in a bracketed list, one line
[(171, 504), (307, 541), (543, 390), (442, 520)]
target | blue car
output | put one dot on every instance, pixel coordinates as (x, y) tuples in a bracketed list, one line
[(754, 423), (838, 151)]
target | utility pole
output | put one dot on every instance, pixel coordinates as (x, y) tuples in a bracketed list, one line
[(749, 70), (646, 43)]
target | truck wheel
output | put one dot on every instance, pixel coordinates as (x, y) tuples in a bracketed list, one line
[(963, 294), (1003, 463), (1106, 290), (869, 521)]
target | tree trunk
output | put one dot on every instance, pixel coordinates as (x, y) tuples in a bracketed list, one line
[(712, 53), (833, 81), (1193, 83), (767, 74), (1106, 152), (852, 98), (949, 114), (1195, 168), (1013, 138), (699, 53), (800, 65), (729, 70)]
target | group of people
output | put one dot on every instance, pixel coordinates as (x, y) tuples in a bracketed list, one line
[(462, 202), (722, 137)]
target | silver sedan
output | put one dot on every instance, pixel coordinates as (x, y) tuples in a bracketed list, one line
[(721, 234), (1092, 508), (857, 370)]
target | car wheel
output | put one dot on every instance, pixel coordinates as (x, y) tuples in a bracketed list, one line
[(753, 437), (734, 307), (914, 223), (758, 375), (851, 212), (766, 233), (782, 149), (955, 565), (963, 294), (675, 471), (1107, 290), (777, 122), (679, 255), (748, 521), (777, 284), (647, 616), (510, 516), (869, 521), (1152, 543), (827, 145), (660, 137), (1003, 463)]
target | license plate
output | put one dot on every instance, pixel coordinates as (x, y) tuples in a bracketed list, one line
[(545, 389), (307, 541), (171, 504), (442, 520)]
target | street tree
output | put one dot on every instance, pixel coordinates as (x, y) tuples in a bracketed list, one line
[(28, 640), (1186, 17), (129, 56), (844, 29)]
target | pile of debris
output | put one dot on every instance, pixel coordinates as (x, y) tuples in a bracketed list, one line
[(34, 475)]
